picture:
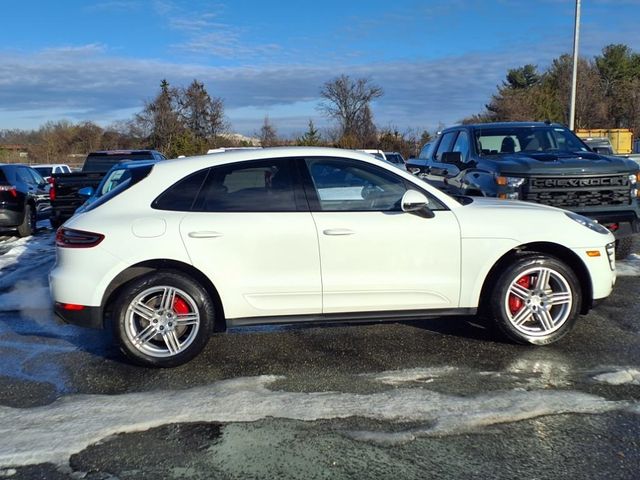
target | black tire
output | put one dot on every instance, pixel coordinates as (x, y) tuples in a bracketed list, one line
[(531, 314), (157, 326), (28, 225), (623, 247), (55, 223)]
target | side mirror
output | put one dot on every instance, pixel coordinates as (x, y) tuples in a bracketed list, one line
[(416, 202), (455, 158), (86, 192)]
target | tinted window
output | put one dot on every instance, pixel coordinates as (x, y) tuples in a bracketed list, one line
[(37, 178), (45, 171), (24, 176), (3, 177), (445, 144), (346, 185), (258, 186), (181, 196)]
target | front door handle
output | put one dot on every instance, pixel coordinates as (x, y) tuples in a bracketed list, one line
[(204, 234), (338, 231)]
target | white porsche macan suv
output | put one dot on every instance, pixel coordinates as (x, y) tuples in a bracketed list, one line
[(188, 247)]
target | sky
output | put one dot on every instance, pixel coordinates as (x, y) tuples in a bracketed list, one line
[(437, 61)]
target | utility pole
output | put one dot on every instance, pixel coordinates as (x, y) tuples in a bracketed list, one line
[(574, 76)]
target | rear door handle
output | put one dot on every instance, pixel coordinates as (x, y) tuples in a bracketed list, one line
[(204, 234), (338, 231)]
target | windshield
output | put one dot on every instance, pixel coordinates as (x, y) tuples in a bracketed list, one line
[(510, 140), (115, 178)]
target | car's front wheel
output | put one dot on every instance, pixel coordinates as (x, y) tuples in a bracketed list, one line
[(163, 319), (536, 299)]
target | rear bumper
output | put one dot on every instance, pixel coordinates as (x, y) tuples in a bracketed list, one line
[(90, 317), (10, 218)]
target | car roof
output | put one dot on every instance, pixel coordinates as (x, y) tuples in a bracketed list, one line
[(490, 125), (134, 163), (122, 152), (48, 165), (232, 156)]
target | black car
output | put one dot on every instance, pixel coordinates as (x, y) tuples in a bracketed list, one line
[(24, 198)]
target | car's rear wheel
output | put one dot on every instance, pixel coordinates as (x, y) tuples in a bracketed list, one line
[(163, 319), (536, 300), (28, 225)]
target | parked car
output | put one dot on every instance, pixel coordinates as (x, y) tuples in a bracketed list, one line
[(65, 187), (538, 162), (290, 235), (395, 158), (118, 174), (24, 198), (417, 165), (372, 151), (600, 145), (47, 170)]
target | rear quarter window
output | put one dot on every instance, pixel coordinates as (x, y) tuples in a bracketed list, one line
[(181, 196)]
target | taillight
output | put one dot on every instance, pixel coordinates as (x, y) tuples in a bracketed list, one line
[(52, 188), (9, 188), (69, 238)]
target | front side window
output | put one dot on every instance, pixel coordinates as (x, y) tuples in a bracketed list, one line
[(462, 145), (347, 185), (445, 144), (257, 186)]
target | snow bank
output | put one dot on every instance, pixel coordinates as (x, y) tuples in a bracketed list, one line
[(622, 376), (54, 432)]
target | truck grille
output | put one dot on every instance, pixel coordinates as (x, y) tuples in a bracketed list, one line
[(578, 191)]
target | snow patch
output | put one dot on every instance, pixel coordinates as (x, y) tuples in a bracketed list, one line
[(54, 432), (412, 375), (13, 249), (625, 376), (629, 267)]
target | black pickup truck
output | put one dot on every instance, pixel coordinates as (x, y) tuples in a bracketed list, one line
[(536, 162), (63, 193)]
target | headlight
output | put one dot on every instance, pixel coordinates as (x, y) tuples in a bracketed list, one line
[(587, 222), (513, 182)]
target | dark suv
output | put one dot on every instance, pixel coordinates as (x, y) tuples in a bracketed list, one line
[(24, 198), (537, 162)]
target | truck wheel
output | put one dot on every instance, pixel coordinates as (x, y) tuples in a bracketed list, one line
[(536, 300), (163, 319), (623, 247), (55, 223), (28, 225)]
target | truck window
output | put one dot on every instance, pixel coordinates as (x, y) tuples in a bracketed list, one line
[(445, 144), (462, 145)]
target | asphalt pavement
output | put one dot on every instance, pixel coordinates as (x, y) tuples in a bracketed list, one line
[(443, 398)]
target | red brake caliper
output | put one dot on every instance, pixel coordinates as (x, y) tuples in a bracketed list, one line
[(515, 303), (180, 306)]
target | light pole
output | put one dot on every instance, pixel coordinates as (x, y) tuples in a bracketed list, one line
[(574, 76)]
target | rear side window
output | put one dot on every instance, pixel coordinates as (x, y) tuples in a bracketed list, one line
[(257, 186), (181, 196)]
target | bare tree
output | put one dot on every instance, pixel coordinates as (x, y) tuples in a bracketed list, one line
[(348, 102), (268, 133), (160, 119), (202, 114)]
